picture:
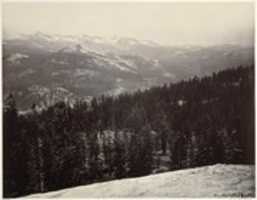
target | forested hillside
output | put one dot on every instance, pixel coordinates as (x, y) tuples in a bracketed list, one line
[(195, 122)]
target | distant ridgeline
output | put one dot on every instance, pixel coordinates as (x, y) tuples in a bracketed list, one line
[(191, 123)]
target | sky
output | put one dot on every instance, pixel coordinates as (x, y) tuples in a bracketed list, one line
[(167, 23)]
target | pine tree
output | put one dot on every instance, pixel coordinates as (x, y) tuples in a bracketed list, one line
[(14, 158)]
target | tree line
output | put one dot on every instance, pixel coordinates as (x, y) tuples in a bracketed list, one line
[(195, 122)]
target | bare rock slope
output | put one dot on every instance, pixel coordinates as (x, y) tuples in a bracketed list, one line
[(209, 181)]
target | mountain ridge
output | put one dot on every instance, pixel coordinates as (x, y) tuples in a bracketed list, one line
[(91, 65)]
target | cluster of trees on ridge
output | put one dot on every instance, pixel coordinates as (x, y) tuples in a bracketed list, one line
[(196, 122)]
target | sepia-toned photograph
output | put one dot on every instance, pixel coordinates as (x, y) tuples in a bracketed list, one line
[(128, 99)]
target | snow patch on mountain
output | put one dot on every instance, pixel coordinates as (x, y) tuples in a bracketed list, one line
[(60, 62), (16, 57), (26, 72), (114, 63), (85, 72), (169, 75)]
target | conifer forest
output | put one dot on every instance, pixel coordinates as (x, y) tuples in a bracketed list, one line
[(193, 122)]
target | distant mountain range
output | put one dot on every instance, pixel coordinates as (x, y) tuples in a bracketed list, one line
[(42, 69)]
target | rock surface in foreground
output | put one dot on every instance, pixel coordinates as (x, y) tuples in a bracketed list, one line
[(209, 181)]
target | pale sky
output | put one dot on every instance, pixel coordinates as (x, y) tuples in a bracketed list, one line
[(167, 23)]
